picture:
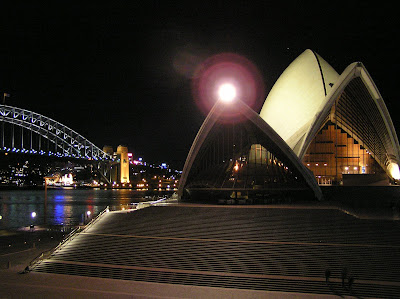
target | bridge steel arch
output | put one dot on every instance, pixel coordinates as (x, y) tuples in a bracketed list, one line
[(68, 143)]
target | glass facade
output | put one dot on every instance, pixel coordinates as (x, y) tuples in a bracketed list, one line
[(235, 157), (334, 152), (240, 162)]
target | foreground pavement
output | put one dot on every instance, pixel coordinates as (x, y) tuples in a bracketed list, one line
[(39, 285)]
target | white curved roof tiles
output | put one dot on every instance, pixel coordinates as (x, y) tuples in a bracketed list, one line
[(297, 95)]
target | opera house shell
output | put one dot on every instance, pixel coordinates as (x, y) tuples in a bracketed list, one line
[(315, 128)]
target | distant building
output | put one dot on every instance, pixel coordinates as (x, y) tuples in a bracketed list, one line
[(316, 127)]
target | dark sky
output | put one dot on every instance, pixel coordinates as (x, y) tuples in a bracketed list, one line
[(121, 74)]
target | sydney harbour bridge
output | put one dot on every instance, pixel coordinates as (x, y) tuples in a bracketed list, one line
[(26, 132)]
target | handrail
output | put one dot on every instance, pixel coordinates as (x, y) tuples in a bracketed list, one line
[(77, 230), (138, 205), (70, 236), (94, 220)]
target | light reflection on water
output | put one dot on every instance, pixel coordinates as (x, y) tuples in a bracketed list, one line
[(64, 206)]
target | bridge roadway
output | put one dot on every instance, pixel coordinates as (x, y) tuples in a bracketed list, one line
[(229, 251)]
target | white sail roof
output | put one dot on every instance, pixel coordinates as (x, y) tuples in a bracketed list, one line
[(297, 95)]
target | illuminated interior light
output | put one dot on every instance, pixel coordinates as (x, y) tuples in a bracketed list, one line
[(394, 171)]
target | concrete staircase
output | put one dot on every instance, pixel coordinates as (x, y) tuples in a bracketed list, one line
[(246, 247)]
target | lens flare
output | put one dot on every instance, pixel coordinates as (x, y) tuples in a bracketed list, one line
[(227, 92), (227, 69)]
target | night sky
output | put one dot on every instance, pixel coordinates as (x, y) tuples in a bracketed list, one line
[(121, 74)]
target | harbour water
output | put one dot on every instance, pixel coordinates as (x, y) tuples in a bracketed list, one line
[(59, 207), (70, 207)]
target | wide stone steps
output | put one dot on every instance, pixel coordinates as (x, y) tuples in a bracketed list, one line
[(252, 248), (329, 226)]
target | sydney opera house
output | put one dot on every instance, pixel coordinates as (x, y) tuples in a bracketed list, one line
[(316, 128)]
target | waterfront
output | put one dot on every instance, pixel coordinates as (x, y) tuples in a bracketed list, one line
[(59, 207)]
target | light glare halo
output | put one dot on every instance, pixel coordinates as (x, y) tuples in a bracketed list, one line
[(226, 68), (227, 92)]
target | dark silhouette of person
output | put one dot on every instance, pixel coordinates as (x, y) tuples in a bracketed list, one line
[(344, 275), (350, 282), (327, 275)]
